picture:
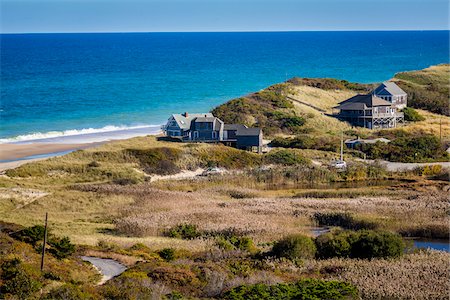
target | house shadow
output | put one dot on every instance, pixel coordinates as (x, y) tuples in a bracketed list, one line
[(168, 139)]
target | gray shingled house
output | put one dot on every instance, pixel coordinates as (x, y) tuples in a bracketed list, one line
[(209, 129), (369, 111), (391, 92)]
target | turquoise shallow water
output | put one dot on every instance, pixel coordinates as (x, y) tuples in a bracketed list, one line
[(72, 84)]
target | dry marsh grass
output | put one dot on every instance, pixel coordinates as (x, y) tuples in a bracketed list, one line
[(422, 275), (266, 219)]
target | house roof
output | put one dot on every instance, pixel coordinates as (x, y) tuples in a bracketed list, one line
[(217, 123), (367, 141), (389, 87), (360, 102), (248, 131), (185, 121), (233, 126)]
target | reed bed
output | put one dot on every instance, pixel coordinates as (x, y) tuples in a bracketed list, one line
[(265, 219), (421, 275)]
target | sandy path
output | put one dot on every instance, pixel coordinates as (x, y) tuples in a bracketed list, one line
[(109, 268)]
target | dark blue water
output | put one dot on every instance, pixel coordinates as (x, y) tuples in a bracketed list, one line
[(70, 82), (432, 244)]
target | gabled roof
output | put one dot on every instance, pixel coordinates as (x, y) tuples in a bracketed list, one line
[(233, 126), (360, 102), (217, 123), (184, 122), (388, 87), (248, 131)]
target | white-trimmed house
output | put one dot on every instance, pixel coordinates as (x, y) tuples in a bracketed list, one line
[(391, 92), (206, 128)]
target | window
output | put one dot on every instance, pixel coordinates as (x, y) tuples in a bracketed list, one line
[(214, 135)]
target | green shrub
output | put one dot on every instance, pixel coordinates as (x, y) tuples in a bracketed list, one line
[(168, 254), (333, 245), (412, 115), (311, 289), (174, 296), (184, 231), (126, 288), (305, 141), (51, 276), (30, 235), (373, 244), (16, 281), (61, 248), (360, 244), (231, 241), (407, 148), (295, 246), (68, 292), (285, 157)]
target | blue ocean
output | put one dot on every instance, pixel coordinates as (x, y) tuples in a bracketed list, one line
[(56, 85)]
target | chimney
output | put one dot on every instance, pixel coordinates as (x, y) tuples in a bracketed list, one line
[(186, 114)]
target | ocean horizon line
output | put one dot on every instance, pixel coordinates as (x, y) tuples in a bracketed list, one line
[(226, 31)]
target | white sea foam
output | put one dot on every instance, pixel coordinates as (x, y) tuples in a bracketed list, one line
[(85, 135)]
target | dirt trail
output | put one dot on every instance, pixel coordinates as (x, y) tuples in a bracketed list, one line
[(109, 268)]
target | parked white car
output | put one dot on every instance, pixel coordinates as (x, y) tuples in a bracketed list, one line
[(339, 164), (213, 171)]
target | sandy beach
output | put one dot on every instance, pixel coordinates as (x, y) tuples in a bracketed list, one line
[(14, 155)]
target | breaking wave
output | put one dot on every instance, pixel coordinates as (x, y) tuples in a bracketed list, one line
[(152, 129)]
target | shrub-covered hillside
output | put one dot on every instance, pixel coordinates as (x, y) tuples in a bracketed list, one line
[(269, 109), (428, 88), (293, 107)]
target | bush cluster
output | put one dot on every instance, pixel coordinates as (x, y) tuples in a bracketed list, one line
[(331, 84), (295, 246), (269, 109), (16, 280), (412, 115), (304, 141), (184, 231), (422, 148), (428, 94), (59, 247), (312, 289), (365, 244), (285, 157)]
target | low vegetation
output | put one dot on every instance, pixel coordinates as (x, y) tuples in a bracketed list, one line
[(427, 89), (412, 115), (420, 148), (295, 246), (269, 109), (303, 289), (364, 244)]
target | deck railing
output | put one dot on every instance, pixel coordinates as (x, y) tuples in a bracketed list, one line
[(372, 115)]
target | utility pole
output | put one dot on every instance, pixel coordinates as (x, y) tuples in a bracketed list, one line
[(440, 130), (45, 242), (342, 146)]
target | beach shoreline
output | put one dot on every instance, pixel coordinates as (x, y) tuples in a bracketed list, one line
[(15, 155)]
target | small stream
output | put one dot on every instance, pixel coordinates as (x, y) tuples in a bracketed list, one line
[(109, 268), (434, 244)]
